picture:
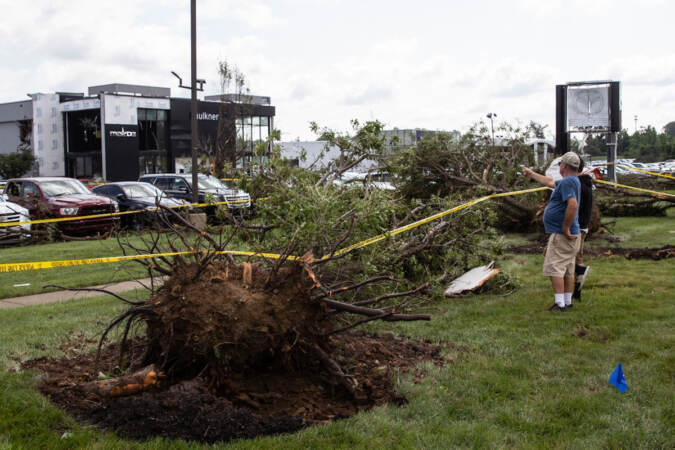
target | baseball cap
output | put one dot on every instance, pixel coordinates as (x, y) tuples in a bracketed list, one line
[(571, 159)]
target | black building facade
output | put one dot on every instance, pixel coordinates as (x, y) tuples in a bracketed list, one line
[(118, 131), (239, 126)]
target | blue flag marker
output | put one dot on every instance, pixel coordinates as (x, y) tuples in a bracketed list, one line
[(618, 380)]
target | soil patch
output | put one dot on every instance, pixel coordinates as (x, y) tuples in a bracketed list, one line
[(667, 251), (260, 401), (599, 336)]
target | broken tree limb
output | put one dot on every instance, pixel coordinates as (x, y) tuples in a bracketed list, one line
[(126, 385), (347, 307)]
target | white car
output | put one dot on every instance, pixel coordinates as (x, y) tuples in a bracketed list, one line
[(11, 212), (378, 180)]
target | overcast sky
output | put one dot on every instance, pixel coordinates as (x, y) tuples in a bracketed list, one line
[(423, 64)]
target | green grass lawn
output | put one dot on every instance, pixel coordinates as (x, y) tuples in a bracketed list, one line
[(644, 231), (518, 377), (76, 276)]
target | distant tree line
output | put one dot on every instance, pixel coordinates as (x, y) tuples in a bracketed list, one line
[(645, 145)]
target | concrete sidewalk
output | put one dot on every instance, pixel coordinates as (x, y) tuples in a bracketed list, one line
[(60, 296)]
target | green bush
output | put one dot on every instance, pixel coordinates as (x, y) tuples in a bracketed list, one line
[(16, 164)]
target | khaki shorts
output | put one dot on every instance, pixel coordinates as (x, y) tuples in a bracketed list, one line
[(560, 255)]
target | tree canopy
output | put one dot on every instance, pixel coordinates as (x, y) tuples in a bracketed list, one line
[(16, 164), (646, 145)]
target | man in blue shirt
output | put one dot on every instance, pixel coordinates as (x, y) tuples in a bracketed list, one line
[(561, 222)]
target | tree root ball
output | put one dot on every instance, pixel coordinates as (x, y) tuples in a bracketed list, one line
[(232, 317)]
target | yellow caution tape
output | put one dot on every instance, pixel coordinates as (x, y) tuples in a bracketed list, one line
[(426, 220), (98, 216), (14, 267), (655, 193), (260, 254), (37, 265), (635, 169)]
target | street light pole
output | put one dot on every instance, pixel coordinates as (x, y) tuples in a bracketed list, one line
[(193, 105), (491, 116)]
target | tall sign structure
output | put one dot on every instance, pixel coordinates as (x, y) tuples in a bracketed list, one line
[(193, 88), (589, 107)]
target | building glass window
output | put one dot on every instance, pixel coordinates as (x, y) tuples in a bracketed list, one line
[(153, 136), (84, 166), (83, 144), (251, 131), (153, 129)]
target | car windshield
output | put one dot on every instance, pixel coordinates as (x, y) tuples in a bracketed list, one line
[(209, 182), (54, 188), (141, 190)]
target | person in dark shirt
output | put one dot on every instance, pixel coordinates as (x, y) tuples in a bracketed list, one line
[(585, 212)]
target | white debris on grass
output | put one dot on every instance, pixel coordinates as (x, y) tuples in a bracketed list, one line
[(471, 280)]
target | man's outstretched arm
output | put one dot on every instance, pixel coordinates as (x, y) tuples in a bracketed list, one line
[(541, 179)]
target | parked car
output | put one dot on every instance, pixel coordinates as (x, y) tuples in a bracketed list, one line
[(11, 212), (136, 196), (57, 197), (378, 180), (180, 186)]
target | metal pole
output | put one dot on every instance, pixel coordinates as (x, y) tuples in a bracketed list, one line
[(193, 89), (611, 156)]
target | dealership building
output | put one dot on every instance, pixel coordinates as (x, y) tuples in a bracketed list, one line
[(120, 131)]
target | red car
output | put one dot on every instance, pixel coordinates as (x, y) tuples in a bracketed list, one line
[(57, 197)]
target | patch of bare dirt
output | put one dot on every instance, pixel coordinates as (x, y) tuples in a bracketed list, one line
[(599, 336), (261, 400)]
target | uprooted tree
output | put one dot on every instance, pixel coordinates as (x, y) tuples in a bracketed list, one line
[(471, 166), (619, 202), (314, 211), (213, 316)]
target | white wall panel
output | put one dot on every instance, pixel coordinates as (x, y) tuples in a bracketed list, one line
[(121, 110), (48, 134)]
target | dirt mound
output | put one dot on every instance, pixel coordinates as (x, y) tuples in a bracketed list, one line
[(230, 317), (259, 401)]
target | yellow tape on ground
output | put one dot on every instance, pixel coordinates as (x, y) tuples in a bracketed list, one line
[(15, 267), (655, 193), (98, 216)]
